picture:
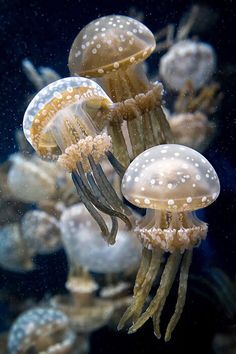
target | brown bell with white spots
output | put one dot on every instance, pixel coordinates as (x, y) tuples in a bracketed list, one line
[(112, 49), (123, 40), (172, 178)]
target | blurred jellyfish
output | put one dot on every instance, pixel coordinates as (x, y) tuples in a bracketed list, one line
[(187, 60), (121, 298), (28, 181), (112, 49), (41, 232), (171, 181), (86, 311), (14, 254), (42, 331), (41, 77), (192, 129), (58, 123), (87, 250), (84, 246)]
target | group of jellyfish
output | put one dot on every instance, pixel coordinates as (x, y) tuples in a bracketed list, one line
[(108, 109)]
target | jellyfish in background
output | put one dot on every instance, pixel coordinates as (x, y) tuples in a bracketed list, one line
[(85, 248), (59, 125), (41, 232), (87, 251), (171, 181), (187, 60), (38, 176), (41, 330), (112, 49), (194, 130), (14, 253)]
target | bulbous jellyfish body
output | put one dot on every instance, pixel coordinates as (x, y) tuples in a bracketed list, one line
[(14, 253), (40, 181), (41, 232), (171, 181), (85, 248), (112, 49), (41, 330), (187, 60), (59, 125), (87, 251), (194, 130)]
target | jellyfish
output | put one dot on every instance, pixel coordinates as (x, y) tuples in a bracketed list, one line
[(192, 129), (14, 253), (112, 49), (187, 60), (58, 124), (44, 180), (79, 232), (41, 330), (86, 311), (41, 232), (171, 181)]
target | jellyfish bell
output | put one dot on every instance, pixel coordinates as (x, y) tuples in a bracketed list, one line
[(170, 172), (29, 173), (187, 60), (112, 49), (41, 330), (14, 253), (59, 125), (171, 181), (56, 117), (125, 41), (194, 130), (86, 248), (41, 232)]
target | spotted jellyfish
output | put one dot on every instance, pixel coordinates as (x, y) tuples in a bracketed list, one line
[(58, 123), (187, 60), (112, 49), (41, 232), (79, 232), (41, 330), (171, 181), (15, 254)]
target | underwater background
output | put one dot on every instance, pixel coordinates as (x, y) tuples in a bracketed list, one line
[(43, 32)]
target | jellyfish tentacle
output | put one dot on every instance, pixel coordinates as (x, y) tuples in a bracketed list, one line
[(166, 282), (114, 229), (105, 208), (92, 184), (102, 207), (144, 265), (148, 130), (105, 193), (119, 145), (118, 167), (143, 269), (151, 270), (157, 316), (92, 210), (135, 127), (99, 173), (148, 282), (165, 126), (98, 194), (183, 279)]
